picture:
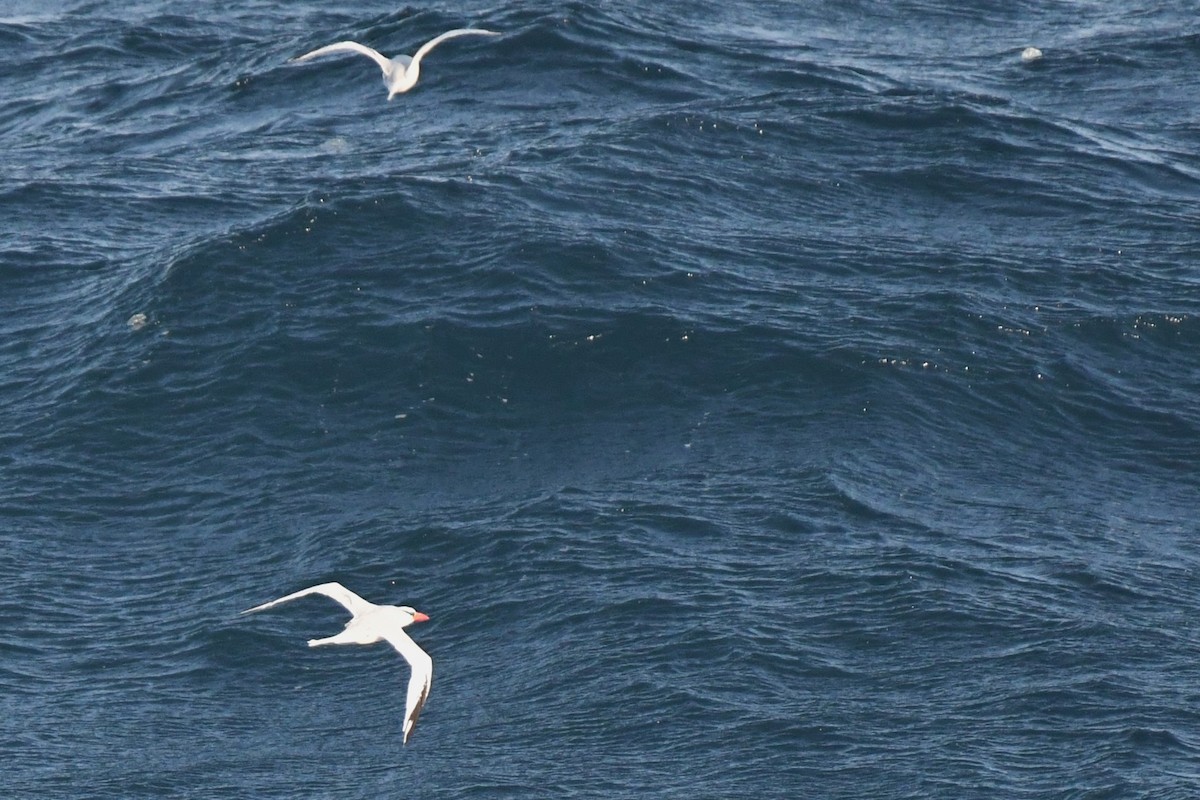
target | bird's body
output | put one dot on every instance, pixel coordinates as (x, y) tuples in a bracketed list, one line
[(370, 623), (400, 73)]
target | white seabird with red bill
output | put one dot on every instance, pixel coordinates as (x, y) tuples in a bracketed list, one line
[(370, 623), (401, 72)]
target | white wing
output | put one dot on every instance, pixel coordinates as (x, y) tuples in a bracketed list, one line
[(379, 58), (418, 683), (352, 602), (435, 41)]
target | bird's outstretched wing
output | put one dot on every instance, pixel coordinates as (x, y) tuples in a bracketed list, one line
[(420, 680), (435, 41), (352, 602), (379, 58)]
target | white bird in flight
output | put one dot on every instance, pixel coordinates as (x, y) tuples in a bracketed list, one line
[(369, 624), (400, 73)]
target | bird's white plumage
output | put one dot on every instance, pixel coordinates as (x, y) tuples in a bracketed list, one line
[(370, 623), (401, 72), (349, 600), (435, 41), (379, 58), (418, 683)]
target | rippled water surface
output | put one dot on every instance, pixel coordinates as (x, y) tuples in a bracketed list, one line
[(764, 399)]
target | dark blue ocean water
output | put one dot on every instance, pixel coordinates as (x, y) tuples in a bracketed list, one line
[(764, 399)]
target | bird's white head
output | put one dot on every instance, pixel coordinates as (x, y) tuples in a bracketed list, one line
[(413, 615)]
